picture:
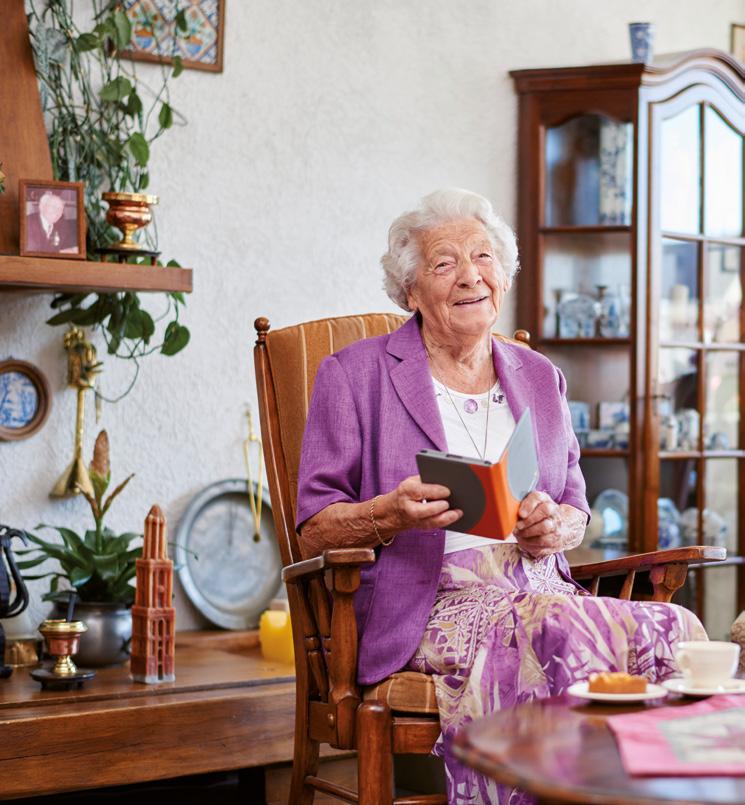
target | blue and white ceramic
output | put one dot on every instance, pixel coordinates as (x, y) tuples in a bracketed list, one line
[(668, 524), (577, 316), (715, 529), (580, 412), (613, 506), (641, 35), (19, 400)]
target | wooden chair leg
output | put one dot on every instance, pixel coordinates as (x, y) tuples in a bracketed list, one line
[(305, 758), (374, 754)]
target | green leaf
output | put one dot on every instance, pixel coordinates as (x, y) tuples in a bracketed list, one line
[(178, 67), (123, 29), (27, 564), (176, 338), (177, 295), (142, 184), (134, 104), (70, 315), (86, 42), (139, 148), (116, 90), (79, 576), (165, 116), (181, 23)]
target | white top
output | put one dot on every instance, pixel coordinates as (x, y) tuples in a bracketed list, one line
[(472, 409)]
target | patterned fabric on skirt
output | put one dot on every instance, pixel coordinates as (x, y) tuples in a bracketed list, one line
[(506, 629)]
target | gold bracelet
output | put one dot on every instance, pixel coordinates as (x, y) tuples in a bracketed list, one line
[(375, 525)]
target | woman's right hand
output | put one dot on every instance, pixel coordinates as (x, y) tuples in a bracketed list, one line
[(413, 504)]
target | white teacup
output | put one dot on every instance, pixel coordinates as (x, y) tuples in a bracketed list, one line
[(707, 663)]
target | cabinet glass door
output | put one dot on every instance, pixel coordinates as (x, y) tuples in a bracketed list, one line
[(700, 340), (589, 162)]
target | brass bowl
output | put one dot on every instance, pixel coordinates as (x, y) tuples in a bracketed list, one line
[(129, 212)]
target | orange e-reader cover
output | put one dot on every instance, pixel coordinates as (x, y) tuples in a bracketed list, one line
[(487, 493)]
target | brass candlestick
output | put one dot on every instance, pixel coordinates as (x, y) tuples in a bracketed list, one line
[(63, 640), (82, 368)]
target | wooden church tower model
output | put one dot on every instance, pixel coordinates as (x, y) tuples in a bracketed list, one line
[(153, 617)]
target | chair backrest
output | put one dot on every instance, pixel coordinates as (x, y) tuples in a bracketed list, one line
[(286, 363)]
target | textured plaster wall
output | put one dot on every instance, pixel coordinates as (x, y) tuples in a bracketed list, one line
[(329, 119)]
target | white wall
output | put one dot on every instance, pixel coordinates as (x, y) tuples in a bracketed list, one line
[(329, 119)]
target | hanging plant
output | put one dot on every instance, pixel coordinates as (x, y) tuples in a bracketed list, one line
[(101, 123)]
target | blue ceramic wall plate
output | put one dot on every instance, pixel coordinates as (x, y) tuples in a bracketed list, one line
[(24, 400)]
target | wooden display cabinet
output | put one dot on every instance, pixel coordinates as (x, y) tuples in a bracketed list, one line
[(631, 187)]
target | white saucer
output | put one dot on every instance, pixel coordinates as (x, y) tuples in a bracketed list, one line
[(677, 685), (580, 690)]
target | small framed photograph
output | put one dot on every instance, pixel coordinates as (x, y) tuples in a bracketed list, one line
[(52, 219), (738, 41), (158, 37), (612, 414)]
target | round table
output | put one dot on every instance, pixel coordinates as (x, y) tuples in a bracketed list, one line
[(562, 751)]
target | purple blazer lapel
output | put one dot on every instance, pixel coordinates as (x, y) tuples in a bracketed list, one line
[(516, 382), (412, 382)]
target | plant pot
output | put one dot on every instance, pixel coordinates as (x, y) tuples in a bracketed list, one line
[(109, 633)]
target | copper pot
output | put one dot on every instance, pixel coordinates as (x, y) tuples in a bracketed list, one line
[(129, 212)]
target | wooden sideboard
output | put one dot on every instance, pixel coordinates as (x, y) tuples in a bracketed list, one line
[(228, 709)]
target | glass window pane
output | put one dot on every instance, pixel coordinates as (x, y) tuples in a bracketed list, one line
[(607, 486), (722, 177), (720, 527), (723, 293), (678, 405), (722, 420), (588, 172), (681, 171), (591, 265), (678, 312)]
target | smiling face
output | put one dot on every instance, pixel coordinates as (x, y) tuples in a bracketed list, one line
[(460, 282)]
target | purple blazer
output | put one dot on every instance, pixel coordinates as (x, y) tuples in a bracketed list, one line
[(373, 408)]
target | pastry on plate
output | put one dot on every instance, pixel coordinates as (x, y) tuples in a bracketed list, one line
[(616, 682)]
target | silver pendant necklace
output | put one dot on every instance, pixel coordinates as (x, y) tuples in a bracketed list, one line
[(480, 453)]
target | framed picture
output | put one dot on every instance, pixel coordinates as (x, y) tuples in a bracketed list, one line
[(24, 400), (156, 37), (52, 219), (738, 42)]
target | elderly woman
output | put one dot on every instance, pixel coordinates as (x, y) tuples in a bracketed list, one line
[(496, 622)]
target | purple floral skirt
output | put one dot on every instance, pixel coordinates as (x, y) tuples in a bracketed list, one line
[(506, 629)]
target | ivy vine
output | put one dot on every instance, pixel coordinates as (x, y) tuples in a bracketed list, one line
[(101, 123)]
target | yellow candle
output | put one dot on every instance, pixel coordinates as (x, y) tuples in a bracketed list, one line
[(275, 636)]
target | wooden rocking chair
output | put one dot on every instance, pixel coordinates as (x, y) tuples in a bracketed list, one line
[(398, 715)]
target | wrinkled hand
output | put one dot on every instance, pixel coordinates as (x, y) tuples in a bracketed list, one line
[(546, 527), (413, 504)]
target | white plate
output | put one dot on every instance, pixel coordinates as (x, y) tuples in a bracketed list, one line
[(580, 690), (677, 685)]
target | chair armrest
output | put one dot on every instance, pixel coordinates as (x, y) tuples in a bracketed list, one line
[(644, 561), (335, 557)]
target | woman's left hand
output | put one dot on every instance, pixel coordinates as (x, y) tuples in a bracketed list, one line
[(546, 527)]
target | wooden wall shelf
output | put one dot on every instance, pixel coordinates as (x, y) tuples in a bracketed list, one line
[(50, 275)]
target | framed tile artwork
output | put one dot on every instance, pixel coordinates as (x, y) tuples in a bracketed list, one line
[(156, 36)]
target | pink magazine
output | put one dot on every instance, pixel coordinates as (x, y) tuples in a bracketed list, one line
[(706, 738)]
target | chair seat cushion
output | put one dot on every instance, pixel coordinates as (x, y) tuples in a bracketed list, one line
[(405, 692)]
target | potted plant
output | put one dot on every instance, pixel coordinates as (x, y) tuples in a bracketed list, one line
[(99, 566)]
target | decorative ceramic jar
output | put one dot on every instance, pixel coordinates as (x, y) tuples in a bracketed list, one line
[(129, 212)]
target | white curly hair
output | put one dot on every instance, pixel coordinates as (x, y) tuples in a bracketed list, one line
[(401, 260)]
